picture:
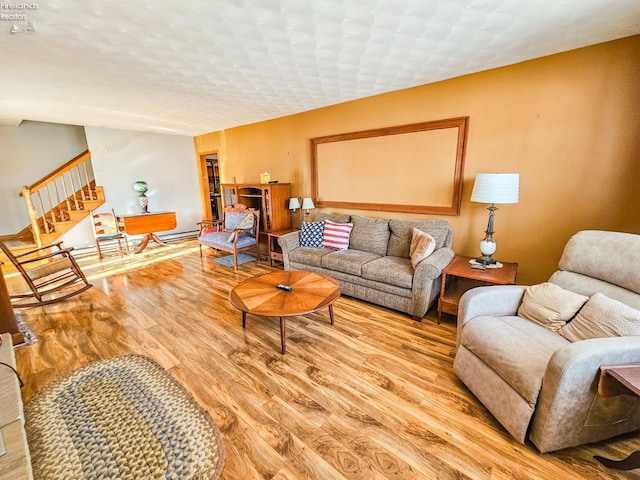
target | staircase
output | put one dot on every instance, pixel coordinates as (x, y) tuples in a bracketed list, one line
[(56, 203)]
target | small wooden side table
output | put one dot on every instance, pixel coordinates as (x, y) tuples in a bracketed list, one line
[(275, 253), (463, 278), (618, 380)]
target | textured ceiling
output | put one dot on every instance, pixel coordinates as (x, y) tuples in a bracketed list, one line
[(195, 66)]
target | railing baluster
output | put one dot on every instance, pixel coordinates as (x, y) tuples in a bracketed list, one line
[(73, 190), (66, 195), (52, 209), (58, 201), (92, 194), (81, 187)]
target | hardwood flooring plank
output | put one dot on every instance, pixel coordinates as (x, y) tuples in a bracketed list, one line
[(372, 397)]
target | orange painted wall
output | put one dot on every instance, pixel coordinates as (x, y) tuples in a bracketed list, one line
[(568, 123)]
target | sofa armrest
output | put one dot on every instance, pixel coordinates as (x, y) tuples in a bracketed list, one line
[(288, 243), (569, 389), (431, 267), (494, 300)]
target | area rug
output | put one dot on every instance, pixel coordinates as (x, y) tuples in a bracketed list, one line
[(28, 335), (121, 418), (227, 260)]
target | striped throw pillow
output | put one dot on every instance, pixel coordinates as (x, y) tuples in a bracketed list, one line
[(336, 235)]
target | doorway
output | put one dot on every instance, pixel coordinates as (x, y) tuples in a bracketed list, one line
[(213, 178)]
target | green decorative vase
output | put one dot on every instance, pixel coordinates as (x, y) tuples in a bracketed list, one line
[(142, 187)]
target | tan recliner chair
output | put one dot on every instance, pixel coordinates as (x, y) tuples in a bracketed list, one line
[(535, 382)]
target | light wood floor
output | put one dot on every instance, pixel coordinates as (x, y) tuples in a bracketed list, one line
[(373, 397)]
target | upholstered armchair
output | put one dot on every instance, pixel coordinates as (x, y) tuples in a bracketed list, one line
[(539, 379), (238, 231)]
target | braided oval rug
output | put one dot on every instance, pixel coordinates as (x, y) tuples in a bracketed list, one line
[(121, 418)]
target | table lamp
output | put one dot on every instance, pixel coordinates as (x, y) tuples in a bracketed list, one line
[(493, 188)]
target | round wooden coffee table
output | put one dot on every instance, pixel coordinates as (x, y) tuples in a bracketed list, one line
[(260, 296)]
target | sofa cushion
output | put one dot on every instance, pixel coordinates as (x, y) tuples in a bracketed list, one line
[(602, 316), (391, 270), (309, 255), (311, 234), (515, 348), (550, 305), (422, 245), (401, 234), (340, 218), (369, 234), (347, 261), (336, 235)]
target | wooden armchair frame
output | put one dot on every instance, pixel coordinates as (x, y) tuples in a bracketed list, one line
[(217, 226), (50, 272)]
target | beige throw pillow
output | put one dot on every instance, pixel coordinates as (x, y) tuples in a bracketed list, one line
[(600, 317), (422, 245), (550, 305), (246, 223)]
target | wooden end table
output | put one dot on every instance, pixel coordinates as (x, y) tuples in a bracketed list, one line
[(462, 278), (619, 380), (309, 293), (275, 253)]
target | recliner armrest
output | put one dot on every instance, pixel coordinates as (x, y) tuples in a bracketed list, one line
[(569, 388), (494, 300)]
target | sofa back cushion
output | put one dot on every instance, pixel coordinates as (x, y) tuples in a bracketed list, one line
[(402, 233), (369, 234), (338, 218), (610, 256)]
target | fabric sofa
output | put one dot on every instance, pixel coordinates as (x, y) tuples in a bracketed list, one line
[(15, 464), (377, 267), (537, 379)]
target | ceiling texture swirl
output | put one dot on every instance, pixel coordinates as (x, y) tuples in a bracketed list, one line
[(198, 66)]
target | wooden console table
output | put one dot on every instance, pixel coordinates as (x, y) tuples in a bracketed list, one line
[(619, 380), (146, 224)]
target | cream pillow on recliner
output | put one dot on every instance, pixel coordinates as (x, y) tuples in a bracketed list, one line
[(550, 305), (600, 317)]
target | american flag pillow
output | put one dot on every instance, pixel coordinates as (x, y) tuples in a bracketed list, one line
[(336, 235)]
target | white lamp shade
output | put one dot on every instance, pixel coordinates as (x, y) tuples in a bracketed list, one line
[(294, 203), (307, 203), (496, 188)]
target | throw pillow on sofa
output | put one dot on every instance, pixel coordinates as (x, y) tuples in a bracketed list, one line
[(336, 235), (600, 317), (311, 234), (550, 305), (422, 245)]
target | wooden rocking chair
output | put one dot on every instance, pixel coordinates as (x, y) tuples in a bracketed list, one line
[(50, 272)]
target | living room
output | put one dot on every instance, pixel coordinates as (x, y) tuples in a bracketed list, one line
[(568, 123)]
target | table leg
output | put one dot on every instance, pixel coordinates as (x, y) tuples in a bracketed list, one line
[(282, 336), (244, 319), (155, 238), (331, 313), (145, 241)]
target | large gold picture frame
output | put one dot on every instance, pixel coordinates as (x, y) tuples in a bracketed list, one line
[(415, 168)]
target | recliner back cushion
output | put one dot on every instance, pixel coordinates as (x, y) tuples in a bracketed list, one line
[(369, 234), (610, 256), (402, 233)]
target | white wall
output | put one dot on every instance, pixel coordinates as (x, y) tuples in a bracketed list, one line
[(166, 162), (29, 152)]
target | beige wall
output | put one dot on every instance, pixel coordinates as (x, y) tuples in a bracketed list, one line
[(568, 123)]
